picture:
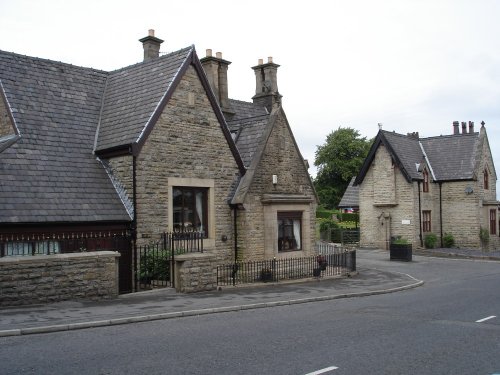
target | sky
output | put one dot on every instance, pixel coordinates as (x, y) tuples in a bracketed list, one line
[(411, 65)]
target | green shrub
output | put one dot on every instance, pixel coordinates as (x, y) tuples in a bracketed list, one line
[(155, 265), (400, 241), (448, 240), (327, 224), (323, 213), (484, 236), (430, 241), (348, 217)]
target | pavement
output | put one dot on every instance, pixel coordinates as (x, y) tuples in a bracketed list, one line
[(370, 279)]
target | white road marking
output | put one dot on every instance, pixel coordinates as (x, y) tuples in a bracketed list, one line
[(322, 371), (485, 319)]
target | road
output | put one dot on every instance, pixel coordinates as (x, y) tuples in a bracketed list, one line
[(451, 325)]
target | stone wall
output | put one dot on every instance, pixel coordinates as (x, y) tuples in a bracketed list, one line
[(5, 120), (382, 218), (258, 222), (462, 213), (186, 147), (195, 272), (61, 277)]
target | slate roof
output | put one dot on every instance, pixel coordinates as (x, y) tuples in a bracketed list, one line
[(248, 132), (132, 95), (450, 157), (244, 110), (350, 199), (50, 174), (7, 141)]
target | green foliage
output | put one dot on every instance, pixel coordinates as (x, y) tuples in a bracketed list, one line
[(448, 240), (340, 158), (155, 265), (324, 213), (327, 224), (400, 241), (348, 217), (430, 241), (484, 236)]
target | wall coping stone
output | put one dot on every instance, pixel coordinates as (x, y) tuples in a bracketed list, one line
[(44, 258), (193, 256)]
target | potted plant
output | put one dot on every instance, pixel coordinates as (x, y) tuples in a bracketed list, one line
[(266, 274), (400, 249), (322, 262)]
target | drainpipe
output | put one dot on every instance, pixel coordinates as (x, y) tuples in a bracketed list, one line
[(441, 212), (420, 215), (235, 214), (134, 220)]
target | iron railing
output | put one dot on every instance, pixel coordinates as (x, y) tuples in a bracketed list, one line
[(31, 244), (155, 261), (36, 244), (341, 236), (331, 263)]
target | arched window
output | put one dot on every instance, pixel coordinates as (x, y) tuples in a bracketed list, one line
[(486, 180), (426, 181)]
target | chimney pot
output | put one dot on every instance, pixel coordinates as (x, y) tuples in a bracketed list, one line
[(209, 52), (260, 62), (471, 127), (270, 59), (218, 55), (456, 129), (464, 127), (151, 45)]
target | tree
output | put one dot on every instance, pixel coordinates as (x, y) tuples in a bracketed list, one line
[(338, 160)]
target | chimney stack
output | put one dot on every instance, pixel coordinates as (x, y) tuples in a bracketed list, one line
[(471, 127), (216, 71), (266, 88), (456, 129), (151, 45), (464, 127), (413, 135)]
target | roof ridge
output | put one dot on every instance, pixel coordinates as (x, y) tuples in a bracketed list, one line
[(152, 61), (55, 62)]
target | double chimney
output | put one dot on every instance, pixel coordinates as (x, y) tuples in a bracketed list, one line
[(456, 127), (266, 88)]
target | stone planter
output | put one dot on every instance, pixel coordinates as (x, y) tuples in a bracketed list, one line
[(400, 252)]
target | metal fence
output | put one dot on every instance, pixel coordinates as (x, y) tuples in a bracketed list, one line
[(334, 262), (36, 244), (341, 236), (155, 262)]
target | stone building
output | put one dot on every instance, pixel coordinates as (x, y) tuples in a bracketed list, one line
[(410, 187), (153, 147)]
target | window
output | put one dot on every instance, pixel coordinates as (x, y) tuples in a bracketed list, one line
[(486, 180), (190, 213), (289, 230), (426, 221), (493, 221), (31, 248), (426, 181)]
